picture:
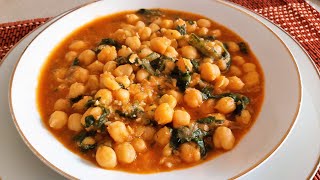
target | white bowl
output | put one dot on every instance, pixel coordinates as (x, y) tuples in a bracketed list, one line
[(280, 107)]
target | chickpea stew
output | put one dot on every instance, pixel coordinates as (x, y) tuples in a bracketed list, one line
[(150, 90)]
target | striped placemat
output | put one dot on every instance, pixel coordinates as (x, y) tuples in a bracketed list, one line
[(296, 17)]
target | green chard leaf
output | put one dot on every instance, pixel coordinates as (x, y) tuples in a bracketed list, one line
[(182, 29), (76, 99), (243, 47), (149, 12), (76, 62), (89, 121), (210, 120), (195, 65)]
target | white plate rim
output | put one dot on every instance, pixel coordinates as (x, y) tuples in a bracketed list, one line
[(256, 165)]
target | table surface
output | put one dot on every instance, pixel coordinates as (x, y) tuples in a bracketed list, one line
[(16, 10)]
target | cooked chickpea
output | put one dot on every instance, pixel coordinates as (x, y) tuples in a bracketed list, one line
[(78, 45), (108, 53), (166, 23), (148, 133), (160, 44), (184, 65), (235, 83), (123, 70), (163, 113), (74, 122), (238, 60), (216, 33), (92, 83), (167, 150), (106, 157), (232, 46), (172, 34), (223, 138), (70, 56), (61, 105), (104, 96), (221, 82), (145, 33), (251, 79), (110, 66), (132, 18), (162, 137), (78, 74), (191, 26), (123, 80), (96, 67), (122, 95), (133, 42), (244, 117), (125, 153), (118, 131), (140, 25), (209, 72), (183, 42), (225, 105), (95, 112), (189, 52), (177, 95), (141, 75), (180, 118), (204, 23), (154, 27), (192, 97), (124, 51), (76, 89), (171, 52), (248, 67), (108, 81), (235, 71), (189, 152), (144, 52), (221, 64), (80, 105), (139, 145), (202, 31), (58, 119), (171, 100), (207, 107), (86, 57)]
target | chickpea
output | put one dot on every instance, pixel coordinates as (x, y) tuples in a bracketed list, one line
[(87, 57), (204, 23), (144, 52), (96, 67), (209, 72), (145, 33), (96, 112), (141, 75), (219, 116), (184, 64), (244, 117), (238, 60), (148, 133), (80, 105), (154, 27), (78, 74), (235, 71), (221, 64), (140, 25), (76, 89), (251, 79), (74, 122), (110, 66), (177, 95), (163, 114), (121, 35), (133, 42), (225, 105), (107, 80), (123, 70), (92, 83), (207, 107), (122, 95), (191, 27), (124, 51), (70, 56), (58, 119), (108, 53), (248, 67), (235, 83), (232, 46), (221, 82), (171, 52), (160, 44), (78, 45), (183, 42), (163, 136), (180, 118), (139, 145), (189, 152), (189, 52), (166, 23), (223, 138), (202, 31), (118, 131), (132, 18), (192, 97), (123, 80), (140, 96), (125, 153), (88, 141), (172, 34), (104, 96), (216, 33), (106, 157), (171, 100), (62, 105)]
